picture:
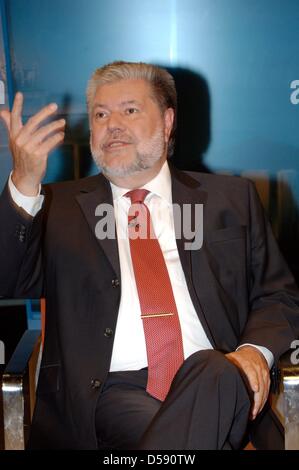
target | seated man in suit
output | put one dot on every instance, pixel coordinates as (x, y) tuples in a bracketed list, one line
[(152, 341)]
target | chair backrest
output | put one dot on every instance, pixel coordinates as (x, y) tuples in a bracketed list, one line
[(18, 390)]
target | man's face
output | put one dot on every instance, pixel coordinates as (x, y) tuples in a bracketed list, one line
[(129, 134)]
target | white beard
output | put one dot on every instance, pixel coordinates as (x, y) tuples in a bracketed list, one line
[(147, 155)]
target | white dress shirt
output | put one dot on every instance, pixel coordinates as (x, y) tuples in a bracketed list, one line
[(30, 204), (129, 351), (129, 348)]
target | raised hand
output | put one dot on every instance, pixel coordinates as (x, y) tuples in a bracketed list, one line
[(30, 144)]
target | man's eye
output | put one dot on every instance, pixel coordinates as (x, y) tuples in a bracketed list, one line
[(100, 115), (131, 110)]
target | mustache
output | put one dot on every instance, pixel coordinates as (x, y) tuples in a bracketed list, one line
[(124, 139)]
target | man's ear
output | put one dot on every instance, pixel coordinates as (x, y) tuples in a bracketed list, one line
[(168, 122)]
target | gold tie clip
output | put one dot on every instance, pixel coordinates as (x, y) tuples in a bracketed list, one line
[(152, 315)]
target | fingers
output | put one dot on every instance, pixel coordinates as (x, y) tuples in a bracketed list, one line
[(16, 114), (259, 380), (5, 116), (266, 380), (49, 144), (44, 132), (253, 378), (30, 137), (13, 119), (29, 129), (259, 401), (257, 387), (35, 120)]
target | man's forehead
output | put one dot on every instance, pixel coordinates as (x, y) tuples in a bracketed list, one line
[(123, 91)]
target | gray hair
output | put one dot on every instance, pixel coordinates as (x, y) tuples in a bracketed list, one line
[(162, 84)]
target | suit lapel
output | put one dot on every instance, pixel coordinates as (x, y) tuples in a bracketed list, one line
[(208, 297), (88, 200), (185, 190)]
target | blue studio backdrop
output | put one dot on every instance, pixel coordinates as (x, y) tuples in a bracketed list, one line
[(236, 67)]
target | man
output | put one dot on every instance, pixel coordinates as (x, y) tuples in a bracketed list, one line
[(149, 343)]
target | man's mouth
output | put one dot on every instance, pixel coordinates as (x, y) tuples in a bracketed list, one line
[(116, 144)]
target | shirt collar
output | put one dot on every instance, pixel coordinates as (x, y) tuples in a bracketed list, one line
[(160, 185)]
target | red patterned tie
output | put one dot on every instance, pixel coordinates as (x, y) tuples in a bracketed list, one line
[(158, 309)]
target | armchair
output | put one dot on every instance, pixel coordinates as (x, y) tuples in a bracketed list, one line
[(18, 390)]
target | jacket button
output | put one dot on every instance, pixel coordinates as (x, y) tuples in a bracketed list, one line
[(95, 383), (115, 282), (20, 232), (108, 332)]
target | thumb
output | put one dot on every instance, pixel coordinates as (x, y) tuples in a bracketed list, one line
[(5, 116)]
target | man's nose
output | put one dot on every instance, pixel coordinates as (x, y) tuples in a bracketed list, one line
[(115, 122)]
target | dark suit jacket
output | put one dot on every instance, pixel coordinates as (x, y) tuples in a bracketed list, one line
[(240, 286)]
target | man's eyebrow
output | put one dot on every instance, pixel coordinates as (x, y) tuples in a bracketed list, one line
[(99, 105), (123, 103)]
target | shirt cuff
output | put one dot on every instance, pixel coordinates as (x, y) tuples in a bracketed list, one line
[(30, 204), (265, 351)]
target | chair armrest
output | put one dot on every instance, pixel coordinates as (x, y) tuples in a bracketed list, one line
[(286, 402), (18, 390)]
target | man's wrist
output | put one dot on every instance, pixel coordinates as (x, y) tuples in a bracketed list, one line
[(264, 352), (31, 204), (24, 187)]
